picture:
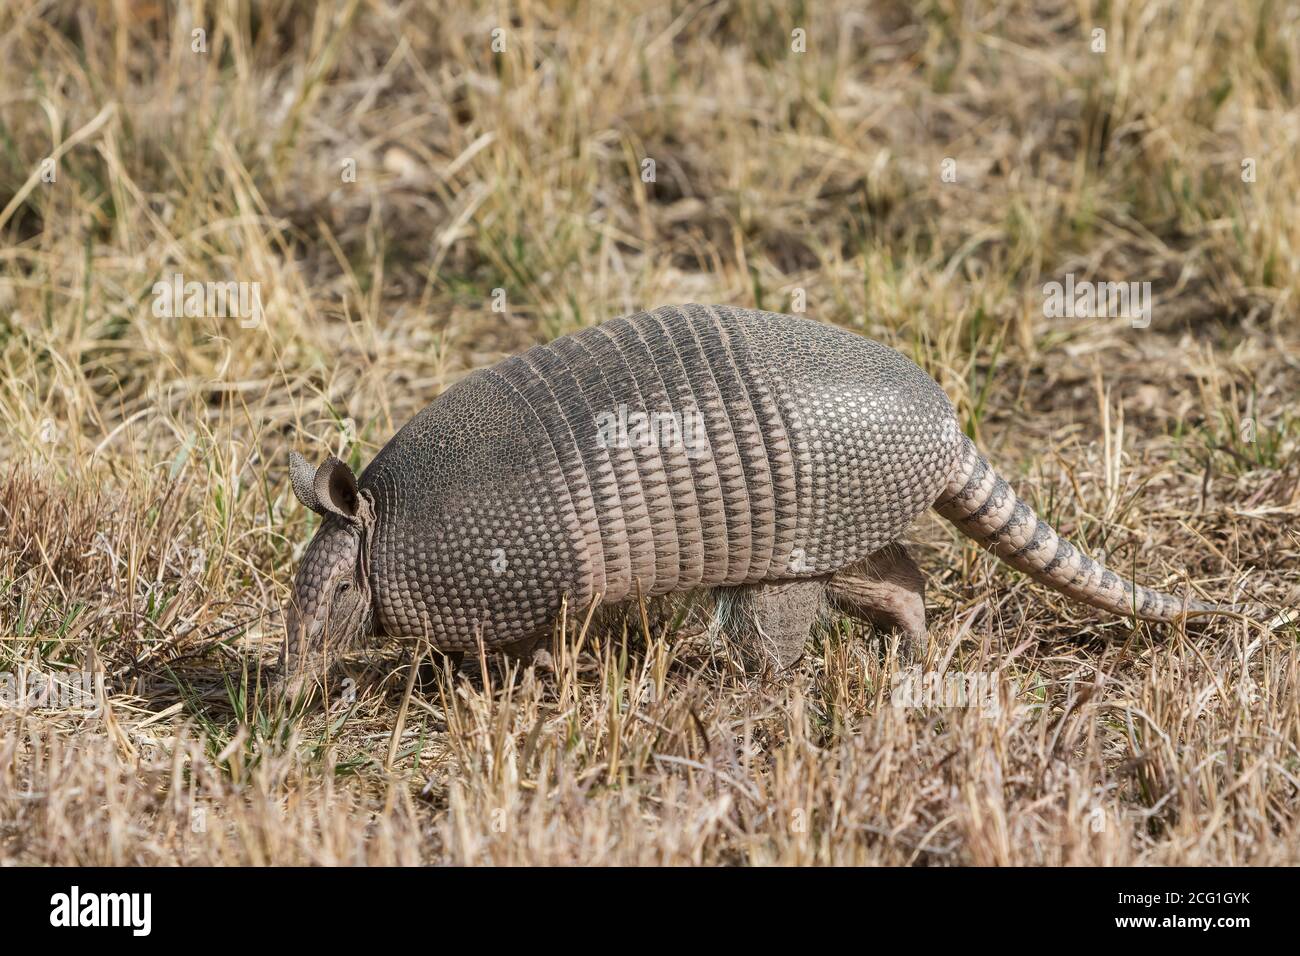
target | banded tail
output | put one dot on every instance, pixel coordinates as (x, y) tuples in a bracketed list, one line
[(983, 506)]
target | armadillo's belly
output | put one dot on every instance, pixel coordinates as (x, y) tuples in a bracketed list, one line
[(669, 450)]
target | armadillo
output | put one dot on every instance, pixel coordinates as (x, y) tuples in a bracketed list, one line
[(692, 447)]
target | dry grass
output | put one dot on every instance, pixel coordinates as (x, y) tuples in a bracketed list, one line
[(147, 530)]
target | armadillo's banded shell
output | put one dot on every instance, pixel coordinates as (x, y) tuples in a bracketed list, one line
[(785, 448)]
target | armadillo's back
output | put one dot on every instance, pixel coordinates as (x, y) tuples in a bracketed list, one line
[(684, 447)]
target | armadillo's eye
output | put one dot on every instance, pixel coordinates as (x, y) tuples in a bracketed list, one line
[(343, 588)]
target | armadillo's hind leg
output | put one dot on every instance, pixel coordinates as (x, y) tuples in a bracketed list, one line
[(887, 590), (770, 622)]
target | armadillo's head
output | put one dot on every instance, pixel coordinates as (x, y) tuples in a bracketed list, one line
[(331, 607)]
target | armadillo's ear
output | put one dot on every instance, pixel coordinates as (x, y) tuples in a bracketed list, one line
[(303, 478), (335, 488)]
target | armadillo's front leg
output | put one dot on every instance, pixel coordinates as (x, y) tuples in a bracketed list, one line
[(524, 649), (770, 622), (887, 590)]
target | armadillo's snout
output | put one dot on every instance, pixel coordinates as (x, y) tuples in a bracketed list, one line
[(325, 620), (304, 626), (301, 634)]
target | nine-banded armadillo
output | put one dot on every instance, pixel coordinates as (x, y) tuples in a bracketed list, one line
[(688, 447)]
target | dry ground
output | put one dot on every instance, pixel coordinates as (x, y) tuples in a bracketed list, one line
[(148, 533)]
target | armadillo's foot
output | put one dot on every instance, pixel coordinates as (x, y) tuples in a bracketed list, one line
[(437, 662), (524, 649), (887, 590), (770, 623)]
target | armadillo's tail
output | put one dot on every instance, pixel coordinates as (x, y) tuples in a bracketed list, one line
[(979, 502)]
